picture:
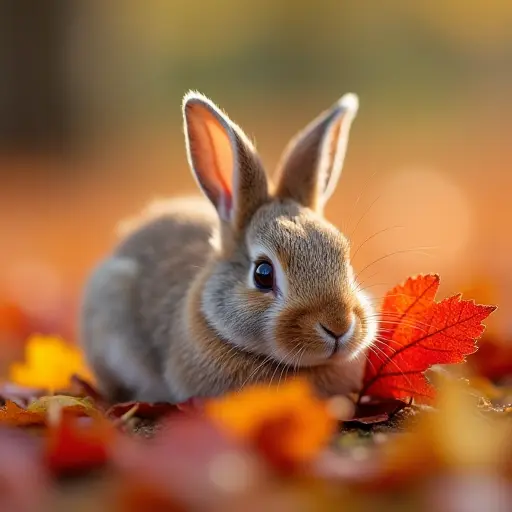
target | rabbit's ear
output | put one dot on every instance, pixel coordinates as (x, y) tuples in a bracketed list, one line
[(311, 163), (223, 161)]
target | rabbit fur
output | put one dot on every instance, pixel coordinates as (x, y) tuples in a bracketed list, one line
[(174, 313)]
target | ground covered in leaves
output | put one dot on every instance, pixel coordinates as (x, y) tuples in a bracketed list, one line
[(422, 434)]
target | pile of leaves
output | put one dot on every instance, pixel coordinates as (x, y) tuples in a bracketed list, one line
[(415, 428)]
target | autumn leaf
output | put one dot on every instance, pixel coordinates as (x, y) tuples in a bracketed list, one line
[(139, 495), (455, 436), (68, 404), (76, 447), (20, 394), (151, 411), (38, 412), (416, 332), (24, 483), (188, 460), (12, 415), (375, 412), (493, 359), (80, 387), (49, 363), (286, 424)]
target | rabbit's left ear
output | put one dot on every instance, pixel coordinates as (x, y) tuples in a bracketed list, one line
[(311, 163), (223, 161)]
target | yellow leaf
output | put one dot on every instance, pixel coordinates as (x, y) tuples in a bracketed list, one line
[(53, 406), (49, 363)]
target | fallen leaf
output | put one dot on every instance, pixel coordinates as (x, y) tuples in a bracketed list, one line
[(288, 424), (49, 363), (38, 412), (79, 386), (457, 435), (416, 333), (486, 388), (69, 404), (24, 486), (12, 415), (20, 394), (267, 440), (493, 359), (375, 411), (150, 411), (75, 447), (189, 460), (137, 495)]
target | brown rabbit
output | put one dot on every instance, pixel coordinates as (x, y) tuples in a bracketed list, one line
[(199, 300)]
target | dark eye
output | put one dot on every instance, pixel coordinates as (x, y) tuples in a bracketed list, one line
[(264, 276)]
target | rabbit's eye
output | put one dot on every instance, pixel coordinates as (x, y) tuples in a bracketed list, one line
[(264, 276)]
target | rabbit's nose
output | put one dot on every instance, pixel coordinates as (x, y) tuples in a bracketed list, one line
[(339, 331), (331, 333)]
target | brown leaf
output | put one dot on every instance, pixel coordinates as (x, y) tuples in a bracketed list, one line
[(376, 411), (80, 387), (150, 411)]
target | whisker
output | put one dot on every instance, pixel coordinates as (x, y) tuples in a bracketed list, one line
[(372, 286), (372, 237), (287, 367), (403, 251), (363, 216), (255, 371), (363, 191)]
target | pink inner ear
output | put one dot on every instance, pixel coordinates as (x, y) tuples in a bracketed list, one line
[(212, 156)]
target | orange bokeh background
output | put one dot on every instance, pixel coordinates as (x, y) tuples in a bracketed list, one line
[(429, 154)]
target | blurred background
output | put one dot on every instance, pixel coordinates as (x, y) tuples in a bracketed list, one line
[(90, 132)]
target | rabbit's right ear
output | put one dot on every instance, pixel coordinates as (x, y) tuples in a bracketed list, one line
[(223, 161), (311, 164)]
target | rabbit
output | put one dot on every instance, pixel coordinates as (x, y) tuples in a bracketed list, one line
[(248, 284)]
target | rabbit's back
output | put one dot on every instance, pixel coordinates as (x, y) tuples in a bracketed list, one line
[(134, 301), (169, 248)]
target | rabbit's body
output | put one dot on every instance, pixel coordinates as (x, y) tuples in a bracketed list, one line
[(135, 290), (174, 313)]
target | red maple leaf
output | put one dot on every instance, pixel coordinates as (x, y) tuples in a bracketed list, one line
[(415, 333), (75, 447)]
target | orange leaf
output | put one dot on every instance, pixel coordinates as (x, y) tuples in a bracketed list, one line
[(36, 414), (12, 415), (286, 424), (416, 333)]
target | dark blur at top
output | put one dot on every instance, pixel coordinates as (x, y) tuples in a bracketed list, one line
[(90, 125)]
